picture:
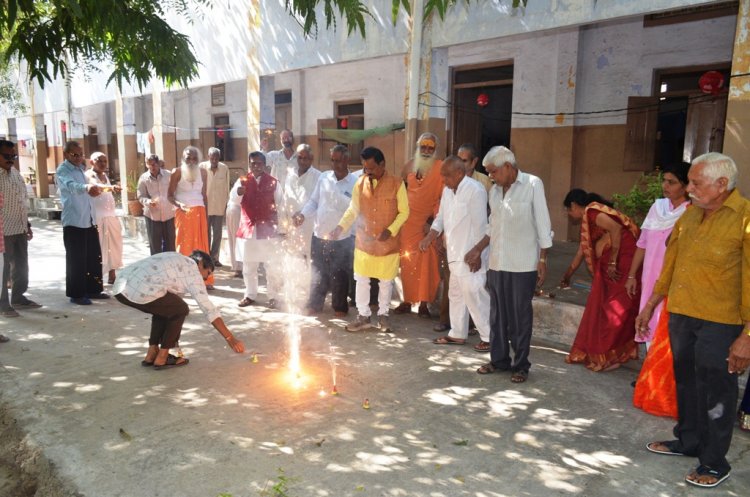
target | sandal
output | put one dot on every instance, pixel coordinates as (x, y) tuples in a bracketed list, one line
[(173, 362), (487, 368), (4, 339), (519, 376), (703, 471), (672, 447), (446, 340), (148, 364), (482, 346)]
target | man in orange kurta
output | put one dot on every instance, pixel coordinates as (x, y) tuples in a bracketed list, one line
[(420, 275)]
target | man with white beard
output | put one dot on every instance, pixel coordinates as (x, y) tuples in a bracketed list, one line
[(424, 186), (187, 192)]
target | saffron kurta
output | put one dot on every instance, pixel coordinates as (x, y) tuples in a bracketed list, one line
[(191, 227), (419, 270), (374, 265)]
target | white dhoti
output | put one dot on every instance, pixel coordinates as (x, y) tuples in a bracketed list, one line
[(233, 216), (110, 240), (252, 252), (468, 295)]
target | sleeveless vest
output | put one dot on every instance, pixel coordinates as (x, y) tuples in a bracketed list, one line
[(378, 208), (258, 208)]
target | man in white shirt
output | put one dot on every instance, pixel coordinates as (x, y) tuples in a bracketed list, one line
[(281, 161), (463, 218), (217, 194), (519, 234), (331, 259), (152, 285)]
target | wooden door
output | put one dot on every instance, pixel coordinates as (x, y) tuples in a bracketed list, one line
[(704, 131)]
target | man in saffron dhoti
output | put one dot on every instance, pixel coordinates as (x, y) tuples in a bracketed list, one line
[(187, 192)]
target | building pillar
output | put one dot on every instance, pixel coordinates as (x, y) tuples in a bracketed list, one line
[(253, 78), (158, 128), (127, 148), (39, 137), (414, 76), (737, 134)]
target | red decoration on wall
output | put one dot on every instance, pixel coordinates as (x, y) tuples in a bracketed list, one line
[(483, 100), (344, 123), (220, 133), (711, 82), (63, 126), (151, 138)]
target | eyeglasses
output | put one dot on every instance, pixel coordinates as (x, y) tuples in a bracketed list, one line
[(75, 156), (10, 156)]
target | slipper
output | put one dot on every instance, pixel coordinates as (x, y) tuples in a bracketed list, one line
[(147, 364), (671, 445), (4, 339), (706, 471), (173, 362), (446, 340), (482, 346), (519, 377)]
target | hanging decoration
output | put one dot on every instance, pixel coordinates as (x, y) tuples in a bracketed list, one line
[(483, 100), (344, 123), (711, 82)]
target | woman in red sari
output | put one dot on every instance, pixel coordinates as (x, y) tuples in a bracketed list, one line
[(605, 335)]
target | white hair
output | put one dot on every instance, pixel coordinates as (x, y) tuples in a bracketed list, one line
[(305, 147), (718, 166), (96, 155), (214, 150), (499, 155)]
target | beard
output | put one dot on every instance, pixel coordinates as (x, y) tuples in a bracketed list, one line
[(422, 165), (190, 173)]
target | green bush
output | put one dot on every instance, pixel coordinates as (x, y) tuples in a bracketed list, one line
[(636, 203)]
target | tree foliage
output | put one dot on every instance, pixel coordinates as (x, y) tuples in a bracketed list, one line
[(57, 37), (354, 12)]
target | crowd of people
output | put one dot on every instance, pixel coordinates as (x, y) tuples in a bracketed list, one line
[(679, 283)]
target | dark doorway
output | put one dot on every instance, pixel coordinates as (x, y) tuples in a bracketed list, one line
[(482, 125), (670, 134)]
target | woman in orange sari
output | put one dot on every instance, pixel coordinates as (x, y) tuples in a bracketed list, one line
[(655, 390), (605, 335)]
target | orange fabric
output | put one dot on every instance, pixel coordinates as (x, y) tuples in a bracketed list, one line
[(379, 207), (656, 390), (420, 270), (191, 232)]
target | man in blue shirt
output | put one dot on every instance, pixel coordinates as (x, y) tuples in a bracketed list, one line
[(83, 256)]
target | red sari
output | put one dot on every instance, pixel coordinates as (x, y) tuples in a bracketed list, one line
[(605, 337)]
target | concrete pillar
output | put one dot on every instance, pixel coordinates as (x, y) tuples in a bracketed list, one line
[(158, 128), (414, 73), (253, 78), (127, 149), (737, 135), (267, 109), (40, 147)]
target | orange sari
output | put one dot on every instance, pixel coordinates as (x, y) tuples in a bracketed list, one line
[(655, 390), (191, 232)]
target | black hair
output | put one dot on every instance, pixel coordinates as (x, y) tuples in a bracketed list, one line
[(679, 169), (372, 153), (7, 144), (257, 155), (583, 198), (153, 157), (199, 255)]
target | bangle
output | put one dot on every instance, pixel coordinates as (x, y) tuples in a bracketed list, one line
[(631, 277), (746, 331), (543, 259), (612, 263), (228, 338)]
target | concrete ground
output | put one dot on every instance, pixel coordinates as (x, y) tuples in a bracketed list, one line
[(84, 418)]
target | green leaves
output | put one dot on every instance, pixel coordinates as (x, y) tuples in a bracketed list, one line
[(59, 37)]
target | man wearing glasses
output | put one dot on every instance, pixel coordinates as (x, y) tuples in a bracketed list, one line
[(83, 255), (17, 233)]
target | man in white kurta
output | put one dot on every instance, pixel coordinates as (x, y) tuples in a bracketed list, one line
[(296, 190), (463, 219), (233, 215), (217, 195), (107, 223)]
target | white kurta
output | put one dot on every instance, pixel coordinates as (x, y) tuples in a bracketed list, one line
[(463, 218), (295, 193), (233, 215), (108, 225)]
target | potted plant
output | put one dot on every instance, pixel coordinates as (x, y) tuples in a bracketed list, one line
[(135, 208), (636, 203)]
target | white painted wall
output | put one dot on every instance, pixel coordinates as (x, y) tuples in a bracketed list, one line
[(379, 82), (618, 60), (192, 110)]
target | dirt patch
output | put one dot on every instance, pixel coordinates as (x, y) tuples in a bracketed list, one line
[(24, 471)]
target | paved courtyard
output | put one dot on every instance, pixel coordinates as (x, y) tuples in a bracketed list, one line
[(87, 419)]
